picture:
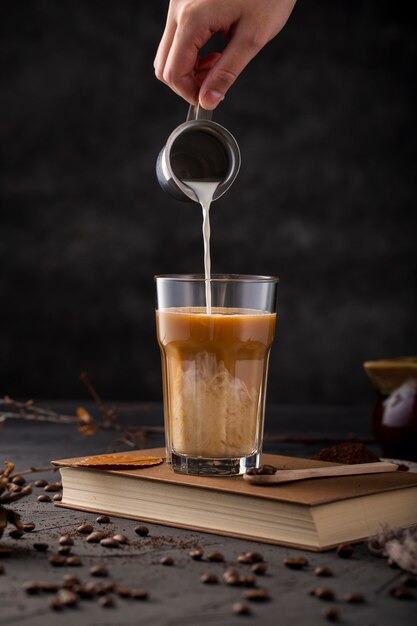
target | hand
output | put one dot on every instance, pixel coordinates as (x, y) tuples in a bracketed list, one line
[(248, 25)]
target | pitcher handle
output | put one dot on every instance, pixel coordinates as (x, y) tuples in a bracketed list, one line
[(196, 112)]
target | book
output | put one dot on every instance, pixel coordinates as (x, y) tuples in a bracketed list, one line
[(314, 514)]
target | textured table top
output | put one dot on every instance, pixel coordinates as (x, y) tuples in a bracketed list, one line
[(176, 594)]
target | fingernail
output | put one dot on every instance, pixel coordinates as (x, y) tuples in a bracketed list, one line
[(212, 99)]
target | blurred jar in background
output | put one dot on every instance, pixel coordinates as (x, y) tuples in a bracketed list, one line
[(395, 410)]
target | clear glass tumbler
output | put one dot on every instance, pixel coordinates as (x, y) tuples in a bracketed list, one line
[(214, 369)]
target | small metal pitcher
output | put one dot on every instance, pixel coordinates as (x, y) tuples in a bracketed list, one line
[(198, 150)]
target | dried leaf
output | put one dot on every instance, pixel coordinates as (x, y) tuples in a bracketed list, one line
[(119, 461), (83, 415), (3, 519)]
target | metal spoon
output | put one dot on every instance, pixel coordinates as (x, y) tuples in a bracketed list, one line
[(284, 476)]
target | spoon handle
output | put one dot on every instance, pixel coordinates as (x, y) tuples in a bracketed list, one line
[(283, 476)]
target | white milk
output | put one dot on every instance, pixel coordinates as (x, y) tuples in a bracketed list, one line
[(205, 192)]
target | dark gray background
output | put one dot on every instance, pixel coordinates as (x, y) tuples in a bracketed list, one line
[(326, 120)]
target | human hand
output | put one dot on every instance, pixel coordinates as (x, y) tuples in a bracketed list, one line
[(248, 25)]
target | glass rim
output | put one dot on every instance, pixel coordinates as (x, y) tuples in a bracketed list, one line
[(218, 278)]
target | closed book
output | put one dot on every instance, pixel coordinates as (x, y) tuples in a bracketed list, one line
[(314, 514)]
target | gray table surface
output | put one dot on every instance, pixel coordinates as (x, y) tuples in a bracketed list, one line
[(176, 595)]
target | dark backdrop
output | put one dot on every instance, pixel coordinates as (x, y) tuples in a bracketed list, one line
[(326, 198)]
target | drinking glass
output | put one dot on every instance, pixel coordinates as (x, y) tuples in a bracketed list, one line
[(214, 368)]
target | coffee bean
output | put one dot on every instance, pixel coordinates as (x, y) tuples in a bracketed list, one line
[(231, 577), (6, 551), (122, 591), (53, 487), (57, 497), (323, 593), (139, 594), (99, 570), (85, 529), (209, 579), (345, 551), (259, 569), (250, 557), (16, 533), (96, 536), (67, 597), (244, 558), (74, 561), (40, 482), (257, 595), (266, 470), (87, 590), (197, 554), (31, 587), (241, 608), (402, 593), (252, 471), (109, 542), (247, 580), (323, 571), (18, 480), (57, 560), (14, 488), (121, 538), (28, 527), (44, 498), (295, 562), (40, 546), (142, 531), (55, 604), (103, 588), (167, 560), (106, 602), (215, 557), (64, 550), (69, 581), (355, 597), (66, 540), (103, 519), (2, 569), (331, 613), (48, 587)]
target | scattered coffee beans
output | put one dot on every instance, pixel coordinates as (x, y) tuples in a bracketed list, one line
[(66, 540), (355, 597), (109, 542), (331, 614), (142, 531), (16, 533), (99, 570), (345, 551), (18, 480), (53, 487), (295, 562), (139, 594), (323, 593), (197, 554), (121, 538), (103, 519), (55, 604), (231, 577), (241, 608), (69, 581), (209, 579), (64, 550), (67, 597), (40, 482), (215, 557), (323, 571), (85, 529), (40, 546), (106, 602), (122, 591), (259, 569), (250, 557), (57, 560), (48, 587), (57, 497), (95, 537), (28, 527), (257, 595), (74, 561), (31, 587), (402, 593), (167, 560), (44, 498), (248, 580)]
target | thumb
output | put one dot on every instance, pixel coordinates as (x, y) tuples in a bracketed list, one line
[(234, 58)]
